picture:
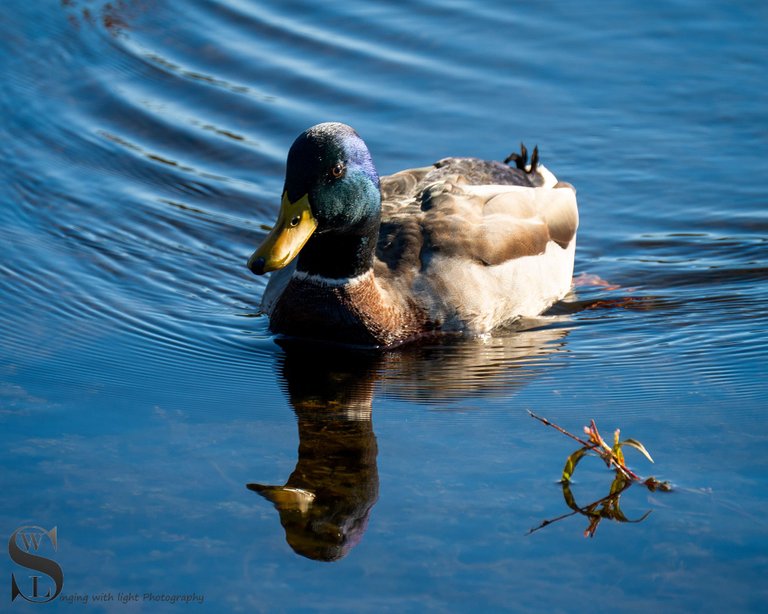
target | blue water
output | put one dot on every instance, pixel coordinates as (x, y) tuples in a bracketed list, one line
[(143, 146)]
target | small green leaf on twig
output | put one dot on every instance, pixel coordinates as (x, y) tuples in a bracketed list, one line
[(570, 464), (618, 454), (619, 485), (637, 446)]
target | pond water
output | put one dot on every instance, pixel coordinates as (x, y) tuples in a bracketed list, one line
[(149, 415)]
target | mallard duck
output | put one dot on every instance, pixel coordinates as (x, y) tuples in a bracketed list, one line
[(464, 245)]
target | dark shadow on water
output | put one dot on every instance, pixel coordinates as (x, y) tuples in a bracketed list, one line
[(325, 504)]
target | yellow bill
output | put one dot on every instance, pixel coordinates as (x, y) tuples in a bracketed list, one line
[(295, 224)]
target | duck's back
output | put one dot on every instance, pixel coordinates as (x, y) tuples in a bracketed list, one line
[(477, 243)]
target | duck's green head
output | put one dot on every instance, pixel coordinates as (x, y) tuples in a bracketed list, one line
[(331, 203)]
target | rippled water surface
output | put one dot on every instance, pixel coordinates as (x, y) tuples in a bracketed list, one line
[(179, 448)]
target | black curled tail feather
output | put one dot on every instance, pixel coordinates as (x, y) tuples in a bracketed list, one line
[(521, 159)]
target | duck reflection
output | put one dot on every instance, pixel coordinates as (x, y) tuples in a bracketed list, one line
[(325, 504)]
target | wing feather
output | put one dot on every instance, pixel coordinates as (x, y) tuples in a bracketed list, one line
[(491, 224)]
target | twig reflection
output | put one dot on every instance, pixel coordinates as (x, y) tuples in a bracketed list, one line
[(607, 507)]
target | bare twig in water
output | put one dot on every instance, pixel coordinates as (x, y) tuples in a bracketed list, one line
[(561, 429), (613, 456)]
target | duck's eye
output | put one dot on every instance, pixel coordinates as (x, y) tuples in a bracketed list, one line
[(337, 170), (295, 221)]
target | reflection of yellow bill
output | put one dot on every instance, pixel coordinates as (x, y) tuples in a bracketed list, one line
[(295, 224)]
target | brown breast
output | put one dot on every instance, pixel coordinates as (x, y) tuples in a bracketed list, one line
[(357, 313)]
